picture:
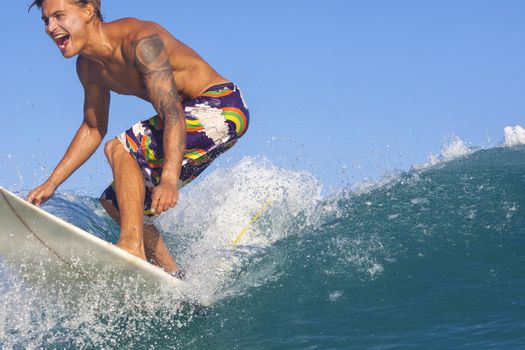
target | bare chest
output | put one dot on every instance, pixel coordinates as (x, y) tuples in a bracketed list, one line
[(122, 79)]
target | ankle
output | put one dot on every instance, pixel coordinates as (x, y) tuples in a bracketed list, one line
[(132, 243)]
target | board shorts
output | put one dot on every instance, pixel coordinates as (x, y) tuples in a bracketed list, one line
[(215, 120)]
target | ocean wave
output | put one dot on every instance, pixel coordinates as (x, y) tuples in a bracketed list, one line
[(435, 251), (514, 136)]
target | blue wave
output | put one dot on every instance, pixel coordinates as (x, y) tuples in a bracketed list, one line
[(429, 259)]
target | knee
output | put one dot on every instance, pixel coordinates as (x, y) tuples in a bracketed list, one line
[(111, 148)]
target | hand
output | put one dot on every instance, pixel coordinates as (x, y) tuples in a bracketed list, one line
[(164, 196), (42, 193)]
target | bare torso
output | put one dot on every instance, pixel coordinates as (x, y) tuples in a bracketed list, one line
[(117, 73)]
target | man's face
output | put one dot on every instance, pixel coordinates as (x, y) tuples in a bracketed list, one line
[(65, 23)]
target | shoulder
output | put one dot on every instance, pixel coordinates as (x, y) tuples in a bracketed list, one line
[(88, 72), (133, 29), (138, 31), (83, 70)]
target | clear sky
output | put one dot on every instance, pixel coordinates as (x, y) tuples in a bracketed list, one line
[(342, 89)]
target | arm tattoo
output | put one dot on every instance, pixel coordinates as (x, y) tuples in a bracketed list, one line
[(151, 60)]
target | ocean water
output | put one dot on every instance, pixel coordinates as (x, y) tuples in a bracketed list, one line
[(429, 258)]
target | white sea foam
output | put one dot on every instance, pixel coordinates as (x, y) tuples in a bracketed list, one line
[(453, 148), (514, 136), (335, 295), (34, 313), (215, 211)]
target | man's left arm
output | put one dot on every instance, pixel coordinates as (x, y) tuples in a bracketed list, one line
[(152, 61)]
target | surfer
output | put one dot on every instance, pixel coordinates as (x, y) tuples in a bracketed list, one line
[(200, 115)]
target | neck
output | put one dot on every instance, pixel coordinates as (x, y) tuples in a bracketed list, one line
[(99, 46)]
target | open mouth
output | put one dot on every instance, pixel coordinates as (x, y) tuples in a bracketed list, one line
[(62, 41)]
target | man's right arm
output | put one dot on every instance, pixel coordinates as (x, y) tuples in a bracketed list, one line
[(85, 142)]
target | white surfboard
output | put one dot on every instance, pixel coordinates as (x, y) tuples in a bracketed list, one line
[(30, 236)]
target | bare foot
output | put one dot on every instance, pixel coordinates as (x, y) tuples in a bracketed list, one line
[(136, 249)]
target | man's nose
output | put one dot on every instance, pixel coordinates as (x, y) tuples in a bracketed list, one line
[(51, 25)]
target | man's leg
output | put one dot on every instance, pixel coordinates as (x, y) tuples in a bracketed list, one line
[(129, 186), (156, 250)]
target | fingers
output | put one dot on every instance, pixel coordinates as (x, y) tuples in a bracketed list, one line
[(36, 197), (159, 206), (39, 195), (162, 200), (31, 198), (155, 204)]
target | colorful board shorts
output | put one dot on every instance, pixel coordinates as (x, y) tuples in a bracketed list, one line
[(215, 120)]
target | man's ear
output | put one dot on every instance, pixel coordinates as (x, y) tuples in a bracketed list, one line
[(89, 11)]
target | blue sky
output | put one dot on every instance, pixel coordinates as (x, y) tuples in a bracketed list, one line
[(342, 89)]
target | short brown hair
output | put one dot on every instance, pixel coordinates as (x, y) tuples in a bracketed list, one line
[(81, 3)]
